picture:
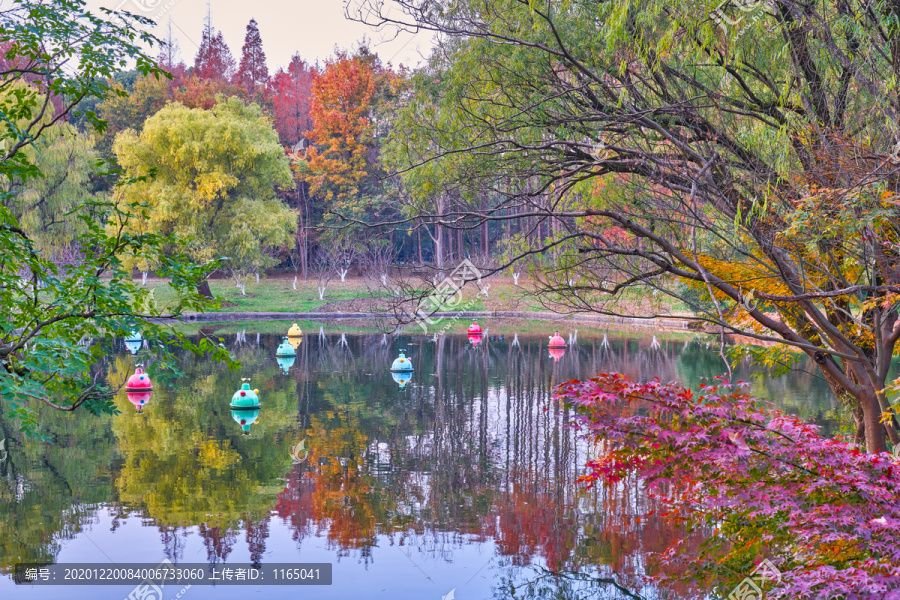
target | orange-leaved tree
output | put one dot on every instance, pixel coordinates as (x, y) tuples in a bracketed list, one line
[(340, 109)]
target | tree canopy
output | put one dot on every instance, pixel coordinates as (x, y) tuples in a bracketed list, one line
[(253, 73), (659, 146), (48, 207), (57, 53), (342, 127), (214, 178), (213, 59)]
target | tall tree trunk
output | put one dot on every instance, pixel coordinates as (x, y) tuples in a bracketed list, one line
[(419, 243), (304, 211), (450, 245), (507, 225), (304, 259), (203, 289), (438, 247), (875, 433)]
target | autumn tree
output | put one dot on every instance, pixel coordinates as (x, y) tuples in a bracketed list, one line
[(291, 91), (212, 178), (50, 208), (213, 60), (291, 94), (253, 74), (336, 162), (753, 154), (56, 54), (195, 92), (129, 109), (341, 165)]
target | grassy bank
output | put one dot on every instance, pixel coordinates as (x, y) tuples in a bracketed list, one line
[(275, 295), (361, 295)]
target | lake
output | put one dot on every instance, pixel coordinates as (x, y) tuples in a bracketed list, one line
[(458, 484)]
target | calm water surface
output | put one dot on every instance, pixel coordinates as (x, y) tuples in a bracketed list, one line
[(462, 480)]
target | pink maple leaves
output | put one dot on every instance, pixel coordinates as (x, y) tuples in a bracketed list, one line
[(760, 484)]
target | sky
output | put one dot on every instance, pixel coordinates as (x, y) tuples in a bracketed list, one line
[(310, 27)]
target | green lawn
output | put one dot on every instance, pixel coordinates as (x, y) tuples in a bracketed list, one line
[(270, 295), (278, 295)]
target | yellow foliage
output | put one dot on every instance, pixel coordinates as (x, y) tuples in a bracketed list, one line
[(214, 455)]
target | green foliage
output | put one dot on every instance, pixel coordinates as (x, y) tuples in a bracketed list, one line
[(47, 207), (47, 352), (130, 107), (776, 361), (210, 176), (73, 52), (751, 154), (697, 299), (56, 53)]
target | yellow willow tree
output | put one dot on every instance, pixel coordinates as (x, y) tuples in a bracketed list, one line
[(49, 208), (738, 159), (210, 176)]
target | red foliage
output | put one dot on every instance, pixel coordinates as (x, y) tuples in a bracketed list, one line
[(213, 60), (764, 484), (201, 93), (253, 74), (292, 92), (342, 101)]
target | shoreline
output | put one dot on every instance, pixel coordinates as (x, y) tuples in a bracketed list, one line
[(659, 323)]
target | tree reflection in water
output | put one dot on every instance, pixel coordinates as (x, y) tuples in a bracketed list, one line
[(474, 449)]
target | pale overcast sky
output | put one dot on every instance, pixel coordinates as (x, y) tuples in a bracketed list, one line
[(310, 27)]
